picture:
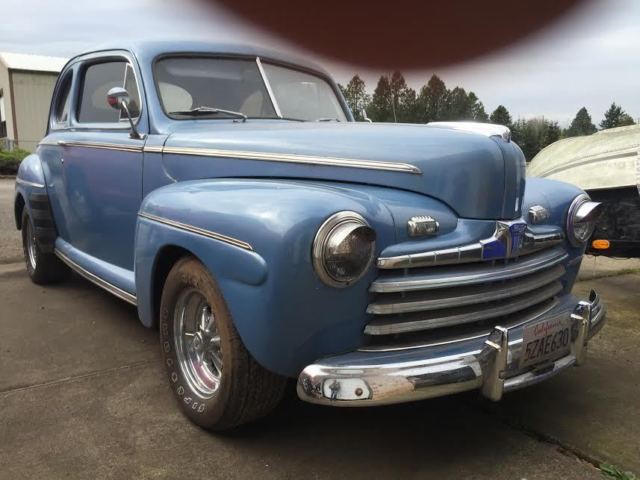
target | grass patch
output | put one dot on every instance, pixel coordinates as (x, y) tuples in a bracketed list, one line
[(611, 472), (10, 160)]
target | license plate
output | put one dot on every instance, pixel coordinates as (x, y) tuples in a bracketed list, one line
[(546, 341)]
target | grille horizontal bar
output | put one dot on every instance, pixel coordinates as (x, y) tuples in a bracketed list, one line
[(428, 320), (443, 277), (395, 303)]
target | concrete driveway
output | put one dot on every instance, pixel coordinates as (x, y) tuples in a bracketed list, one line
[(83, 395)]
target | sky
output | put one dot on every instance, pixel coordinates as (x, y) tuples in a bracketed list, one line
[(590, 58)]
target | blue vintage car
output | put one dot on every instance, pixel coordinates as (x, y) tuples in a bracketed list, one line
[(227, 192)]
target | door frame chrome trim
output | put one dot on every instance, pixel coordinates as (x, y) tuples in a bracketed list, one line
[(267, 84), (294, 158), (199, 231), (100, 282), (101, 145)]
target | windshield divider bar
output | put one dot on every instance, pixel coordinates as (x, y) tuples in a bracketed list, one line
[(276, 107)]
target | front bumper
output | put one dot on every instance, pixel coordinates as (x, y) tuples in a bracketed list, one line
[(488, 362)]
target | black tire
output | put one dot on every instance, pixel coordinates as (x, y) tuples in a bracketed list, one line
[(43, 267), (246, 391)]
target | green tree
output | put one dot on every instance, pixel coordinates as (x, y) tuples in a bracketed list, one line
[(501, 116), (581, 124), (534, 134), (380, 108), (403, 99), (355, 93), (432, 100), (552, 134), (478, 112), (615, 116)]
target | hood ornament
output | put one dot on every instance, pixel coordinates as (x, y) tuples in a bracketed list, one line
[(506, 241)]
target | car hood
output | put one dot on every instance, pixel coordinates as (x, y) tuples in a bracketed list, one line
[(476, 175)]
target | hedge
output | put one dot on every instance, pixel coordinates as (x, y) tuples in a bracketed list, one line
[(10, 160)]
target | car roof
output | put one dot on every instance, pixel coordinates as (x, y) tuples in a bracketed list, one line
[(146, 51)]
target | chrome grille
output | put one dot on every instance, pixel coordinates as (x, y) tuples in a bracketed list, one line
[(410, 300)]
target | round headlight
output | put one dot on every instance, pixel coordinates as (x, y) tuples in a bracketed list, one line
[(343, 249), (581, 219)]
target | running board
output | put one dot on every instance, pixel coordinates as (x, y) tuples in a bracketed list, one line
[(112, 289)]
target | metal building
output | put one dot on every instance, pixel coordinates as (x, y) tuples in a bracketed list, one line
[(26, 85)]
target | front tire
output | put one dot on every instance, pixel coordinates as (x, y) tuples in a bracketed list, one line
[(43, 267), (215, 379)]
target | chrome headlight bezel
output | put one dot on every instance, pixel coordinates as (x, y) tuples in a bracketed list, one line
[(581, 215), (339, 226)]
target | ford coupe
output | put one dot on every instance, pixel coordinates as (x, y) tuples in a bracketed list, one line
[(228, 193)]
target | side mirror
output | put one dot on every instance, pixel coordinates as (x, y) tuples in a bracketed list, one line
[(118, 98)]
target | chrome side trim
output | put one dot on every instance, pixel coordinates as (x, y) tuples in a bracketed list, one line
[(292, 158), (473, 274), (112, 289), (152, 149), (100, 145), (390, 326), (199, 231), (267, 84), (26, 183), (462, 296), (486, 249)]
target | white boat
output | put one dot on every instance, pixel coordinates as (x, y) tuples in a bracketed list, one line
[(606, 159), (607, 166)]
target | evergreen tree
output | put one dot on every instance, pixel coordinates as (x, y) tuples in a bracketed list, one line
[(615, 116), (501, 116), (380, 107), (432, 100), (478, 112), (552, 134), (355, 93), (581, 124)]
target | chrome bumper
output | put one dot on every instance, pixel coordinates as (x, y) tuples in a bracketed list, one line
[(489, 364)]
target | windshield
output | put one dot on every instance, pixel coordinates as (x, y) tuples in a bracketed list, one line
[(186, 84)]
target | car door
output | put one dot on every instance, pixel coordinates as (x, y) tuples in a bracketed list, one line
[(95, 174)]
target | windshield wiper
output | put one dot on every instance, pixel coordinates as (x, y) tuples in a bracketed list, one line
[(210, 111), (327, 119)]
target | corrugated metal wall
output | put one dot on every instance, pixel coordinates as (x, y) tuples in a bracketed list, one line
[(32, 95), (6, 94)]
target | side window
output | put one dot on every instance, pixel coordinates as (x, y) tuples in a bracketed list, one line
[(99, 78), (63, 101)]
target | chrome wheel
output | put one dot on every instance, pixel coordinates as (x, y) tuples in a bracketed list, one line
[(32, 252), (197, 343)]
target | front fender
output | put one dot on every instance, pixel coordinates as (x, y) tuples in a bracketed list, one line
[(284, 314)]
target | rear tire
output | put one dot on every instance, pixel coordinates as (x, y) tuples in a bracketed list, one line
[(43, 267), (215, 379)]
